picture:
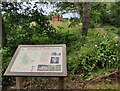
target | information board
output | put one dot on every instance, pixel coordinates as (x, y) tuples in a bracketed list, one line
[(38, 60)]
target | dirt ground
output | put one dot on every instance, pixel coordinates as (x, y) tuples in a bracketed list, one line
[(111, 81)]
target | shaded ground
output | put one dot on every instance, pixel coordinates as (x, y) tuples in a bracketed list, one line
[(111, 81)]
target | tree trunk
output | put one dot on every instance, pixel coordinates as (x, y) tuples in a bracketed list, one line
[(86, 15), (0, 28), (3, 39)]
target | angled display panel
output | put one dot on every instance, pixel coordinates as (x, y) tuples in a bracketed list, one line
[(38, 60)]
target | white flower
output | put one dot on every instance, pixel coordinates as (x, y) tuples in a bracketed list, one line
[(95, 45), (116, 37), (116, 44)]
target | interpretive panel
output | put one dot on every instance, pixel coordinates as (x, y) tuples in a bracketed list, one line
[(38, 60)]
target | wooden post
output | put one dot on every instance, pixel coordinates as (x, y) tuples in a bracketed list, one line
[(19, 83), (61, 82)]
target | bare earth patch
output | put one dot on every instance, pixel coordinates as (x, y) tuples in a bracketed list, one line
[(111, 81)]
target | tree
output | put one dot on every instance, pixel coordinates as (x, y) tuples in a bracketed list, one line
[(115, 14), (18, 19), (23, 25), (86, 15), (110, 13), (0, 28), (2, 31), (77, 7)]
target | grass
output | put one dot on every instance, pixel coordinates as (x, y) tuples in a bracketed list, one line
[(111, 29), (65, 27), (104, 86)]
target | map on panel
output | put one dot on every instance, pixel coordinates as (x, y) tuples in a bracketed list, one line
[(38, 59)]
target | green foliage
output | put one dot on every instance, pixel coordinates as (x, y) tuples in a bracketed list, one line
[(95, 14), (70, 7), (23, 28), (74, 7), (74, 22), (115, 14), (92, 53), (112, 29), (111, 14), (84, 54)]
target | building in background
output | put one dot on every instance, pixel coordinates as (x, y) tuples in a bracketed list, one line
[(57, 18)]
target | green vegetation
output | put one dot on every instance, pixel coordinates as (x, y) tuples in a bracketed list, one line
[(86, 55), (112, 86)]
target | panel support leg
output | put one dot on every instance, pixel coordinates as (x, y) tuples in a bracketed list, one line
[(61, 82), (19, 83)]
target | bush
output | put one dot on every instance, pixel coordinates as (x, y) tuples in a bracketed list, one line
[(92, 53)]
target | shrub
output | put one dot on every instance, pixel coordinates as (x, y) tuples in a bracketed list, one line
[(95, 52)]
